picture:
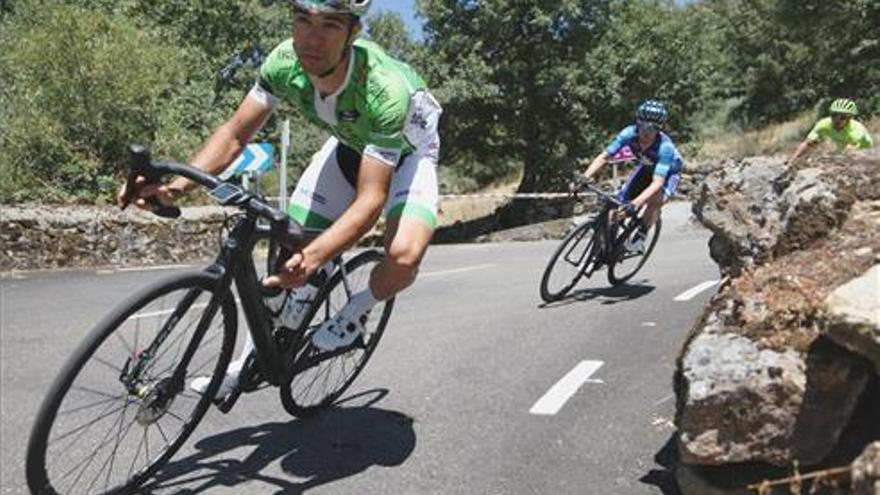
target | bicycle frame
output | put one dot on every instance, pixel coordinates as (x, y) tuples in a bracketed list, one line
[(234, 263), (607, 242)]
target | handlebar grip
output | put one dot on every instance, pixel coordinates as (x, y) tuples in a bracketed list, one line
[(140, 166)]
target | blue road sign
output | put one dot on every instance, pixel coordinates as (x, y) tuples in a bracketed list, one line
[(256, 158)]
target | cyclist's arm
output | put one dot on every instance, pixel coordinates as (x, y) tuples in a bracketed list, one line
[(596, 165), (228, 140), (803, 147), (374, 181), (655, 186)]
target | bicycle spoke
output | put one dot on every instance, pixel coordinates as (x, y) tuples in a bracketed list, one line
[(89, 406), (88, 461), (89, 424)]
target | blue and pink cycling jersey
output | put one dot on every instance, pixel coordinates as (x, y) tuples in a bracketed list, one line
[(661, 159)]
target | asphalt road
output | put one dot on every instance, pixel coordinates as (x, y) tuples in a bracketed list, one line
[(476, 388)]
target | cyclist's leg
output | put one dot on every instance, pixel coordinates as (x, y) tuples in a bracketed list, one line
[(656, 202), (638, 181), (411, 215)]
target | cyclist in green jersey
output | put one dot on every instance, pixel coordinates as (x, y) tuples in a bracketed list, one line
[(382, 153), (841, 128)]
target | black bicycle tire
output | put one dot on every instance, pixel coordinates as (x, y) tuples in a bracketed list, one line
[(288, 401), (613, 278), (546, 294), (36, 469)]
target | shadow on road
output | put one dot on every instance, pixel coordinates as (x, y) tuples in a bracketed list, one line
[(664, 478), (335, 444), (606, 295)]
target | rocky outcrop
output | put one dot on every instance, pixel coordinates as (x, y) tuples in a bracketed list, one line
[(853, 316), (866, 471), (779, 364)]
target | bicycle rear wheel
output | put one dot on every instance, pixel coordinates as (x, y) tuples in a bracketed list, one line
[(625, 263), (568, 263), (120, 407), (320, 378)]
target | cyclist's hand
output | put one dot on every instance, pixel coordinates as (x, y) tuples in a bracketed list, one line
[(163, 194), (630, 209), (295, 272), (578, 183)]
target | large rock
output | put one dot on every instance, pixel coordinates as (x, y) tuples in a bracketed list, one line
[(853, 315), (759, 380), (741, 402), (760, 207), (866, 471)]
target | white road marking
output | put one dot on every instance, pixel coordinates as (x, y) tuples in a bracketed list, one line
[(456, 270), (693, 291), (151, 314), (649, 323), (559, 393), (144, 268)]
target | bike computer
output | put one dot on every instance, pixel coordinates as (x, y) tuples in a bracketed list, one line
[(226, 193)]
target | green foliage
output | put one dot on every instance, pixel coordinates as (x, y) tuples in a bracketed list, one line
[(530, 85), (790, 55), (80, 85), (501, 70)]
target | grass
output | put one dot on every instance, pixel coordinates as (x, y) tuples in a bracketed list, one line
[(777, 139)]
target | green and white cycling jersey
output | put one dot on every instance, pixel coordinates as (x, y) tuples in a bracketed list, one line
[(852, 134), (382, 110)]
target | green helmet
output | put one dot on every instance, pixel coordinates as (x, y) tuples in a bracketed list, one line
[(844, 105), (357, 8)]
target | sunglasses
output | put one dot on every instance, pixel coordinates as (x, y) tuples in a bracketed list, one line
[(840, 116), (644, 125)]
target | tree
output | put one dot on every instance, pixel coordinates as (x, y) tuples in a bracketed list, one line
[(501, 68), (79, 86)]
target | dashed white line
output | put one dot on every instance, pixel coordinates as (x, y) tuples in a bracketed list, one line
[(559, 393), (456, 270), (693, 291)]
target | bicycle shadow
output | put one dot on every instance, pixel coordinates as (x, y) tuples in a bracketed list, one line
[(333, 445), (609, 294)]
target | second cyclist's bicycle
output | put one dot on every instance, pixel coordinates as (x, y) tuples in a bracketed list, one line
[(596, 243), (121, 405)]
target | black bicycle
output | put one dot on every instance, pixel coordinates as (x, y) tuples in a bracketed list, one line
[(599, 242), (121, 407)]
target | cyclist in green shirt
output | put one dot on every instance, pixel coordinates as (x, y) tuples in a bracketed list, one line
[(382, 154), (841, 128)]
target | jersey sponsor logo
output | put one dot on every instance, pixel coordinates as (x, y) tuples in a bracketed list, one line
[(349, 115), (310, 193), (389, 156), (419, 120)]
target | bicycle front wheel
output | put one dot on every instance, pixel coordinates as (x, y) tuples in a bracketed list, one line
[(568, 263), (120, 407), (627, 262), (319, 378)]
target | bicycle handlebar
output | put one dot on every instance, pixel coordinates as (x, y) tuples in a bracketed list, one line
[(288, 233)]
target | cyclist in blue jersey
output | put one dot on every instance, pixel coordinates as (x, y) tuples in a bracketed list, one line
[(658, 169)]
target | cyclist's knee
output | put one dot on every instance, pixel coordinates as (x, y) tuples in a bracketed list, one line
[(404, 254)]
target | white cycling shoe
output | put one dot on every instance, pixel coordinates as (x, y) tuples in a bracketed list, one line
[(341, 331), (230, 381), (635, 244)]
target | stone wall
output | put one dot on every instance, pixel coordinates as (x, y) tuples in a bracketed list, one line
[(42, 237)]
